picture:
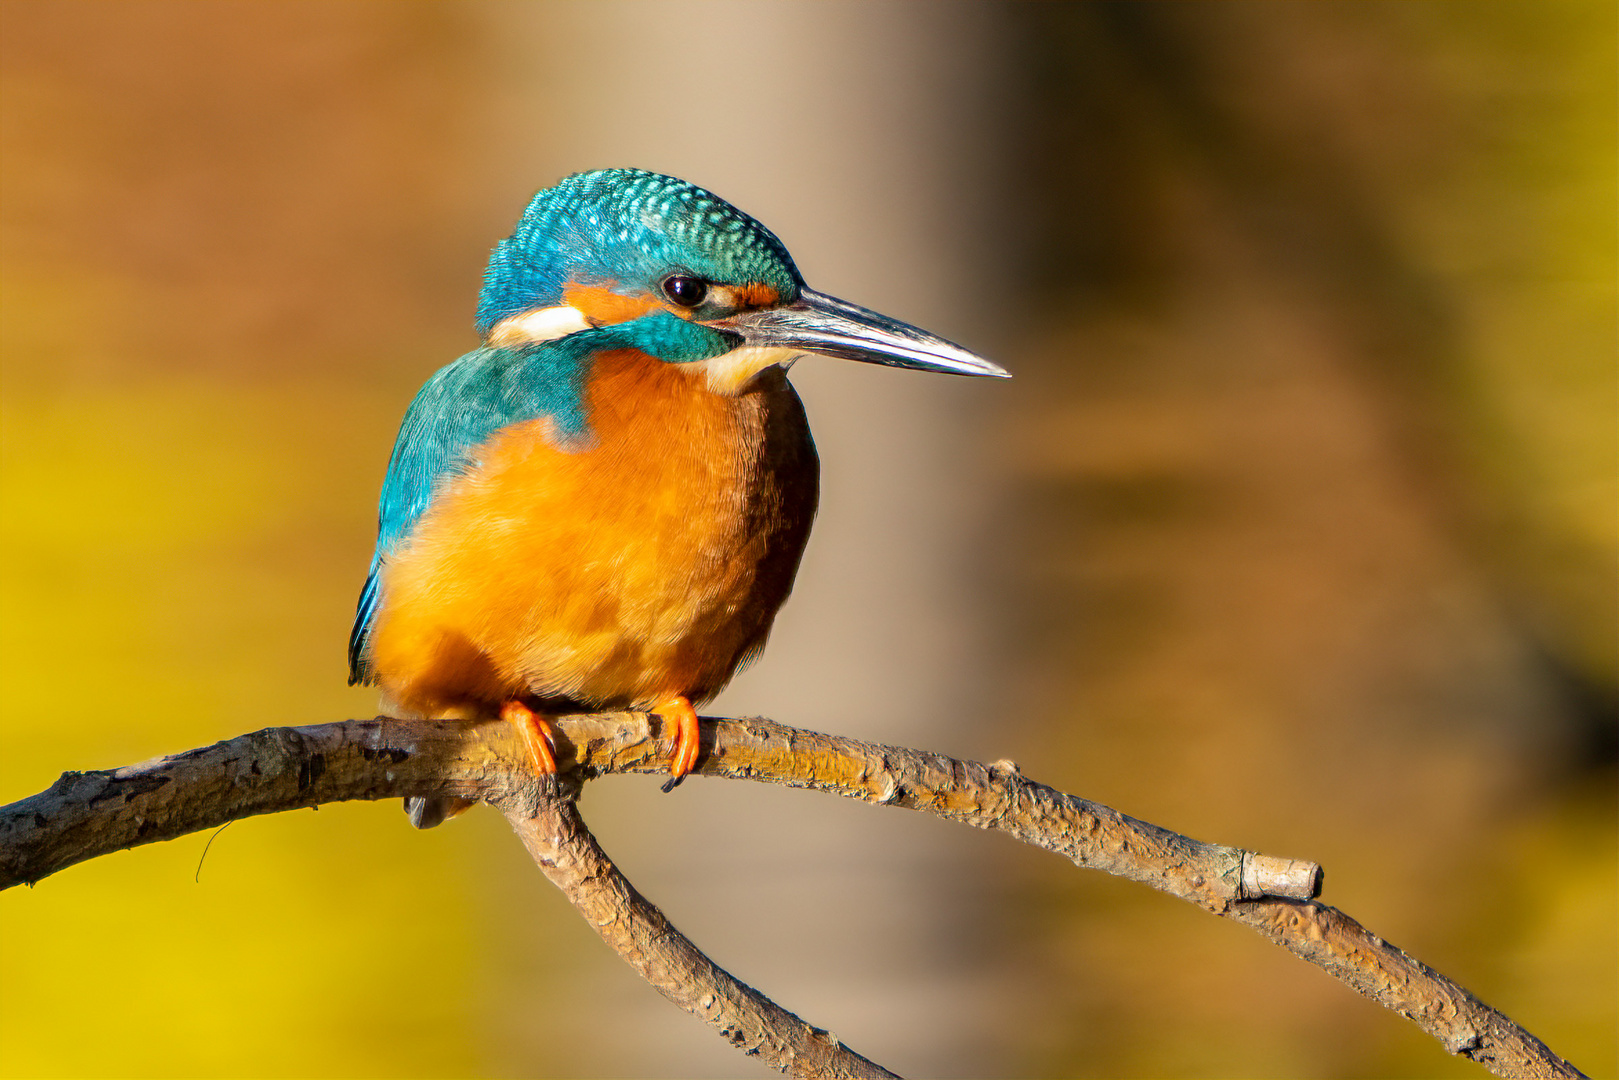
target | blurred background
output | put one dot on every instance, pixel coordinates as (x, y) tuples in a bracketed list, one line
[(1296, 529)]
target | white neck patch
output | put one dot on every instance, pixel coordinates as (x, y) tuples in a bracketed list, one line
[(541, 324)]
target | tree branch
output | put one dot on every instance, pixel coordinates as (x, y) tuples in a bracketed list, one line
[(84, 815), (635, 929)]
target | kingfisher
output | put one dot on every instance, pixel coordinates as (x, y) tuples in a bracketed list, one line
[(603, 505)]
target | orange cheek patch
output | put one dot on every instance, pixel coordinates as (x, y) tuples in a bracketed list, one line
[(603, 306), (757, 295)]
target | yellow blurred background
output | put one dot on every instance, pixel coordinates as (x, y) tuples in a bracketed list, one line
[(1296, 529)]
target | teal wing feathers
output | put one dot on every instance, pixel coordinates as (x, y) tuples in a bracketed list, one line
[(456, 412)]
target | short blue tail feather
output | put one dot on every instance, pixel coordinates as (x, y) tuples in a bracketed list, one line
[(360, 637)]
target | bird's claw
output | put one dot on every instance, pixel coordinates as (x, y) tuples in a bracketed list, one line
[(677, 712), (537, 735)]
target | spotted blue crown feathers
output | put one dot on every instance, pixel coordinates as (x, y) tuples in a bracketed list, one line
[(628, 226)]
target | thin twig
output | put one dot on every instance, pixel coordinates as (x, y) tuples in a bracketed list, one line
[(569, 855), (84, 815)]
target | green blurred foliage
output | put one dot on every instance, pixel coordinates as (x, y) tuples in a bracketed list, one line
[(1310, 543), (1319, 507)]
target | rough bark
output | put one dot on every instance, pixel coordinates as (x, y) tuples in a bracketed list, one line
[(87, 814)]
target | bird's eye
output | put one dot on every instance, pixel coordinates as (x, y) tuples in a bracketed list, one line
[(685, 291)]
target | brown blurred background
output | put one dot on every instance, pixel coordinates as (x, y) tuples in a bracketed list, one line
[(1296, 529)]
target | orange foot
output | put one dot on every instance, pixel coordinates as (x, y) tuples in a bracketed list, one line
[(537, 735), (678, 711)]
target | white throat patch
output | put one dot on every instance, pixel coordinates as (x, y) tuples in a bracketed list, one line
[(731, 373)]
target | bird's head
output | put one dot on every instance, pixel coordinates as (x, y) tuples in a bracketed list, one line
[(686, 277)]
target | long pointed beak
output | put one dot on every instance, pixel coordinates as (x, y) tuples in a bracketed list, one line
[(818, 323)]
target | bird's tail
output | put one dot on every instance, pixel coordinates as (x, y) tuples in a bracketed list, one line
[(428, 811)]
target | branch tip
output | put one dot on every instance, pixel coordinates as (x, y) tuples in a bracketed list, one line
[(1268, 875)]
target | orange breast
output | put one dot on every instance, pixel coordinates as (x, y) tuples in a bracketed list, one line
[(647, 563)]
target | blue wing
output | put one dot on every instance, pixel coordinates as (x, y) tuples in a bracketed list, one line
[(456, 412), (484, 391)]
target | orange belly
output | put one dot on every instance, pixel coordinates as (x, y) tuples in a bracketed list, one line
[(647, 563)]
